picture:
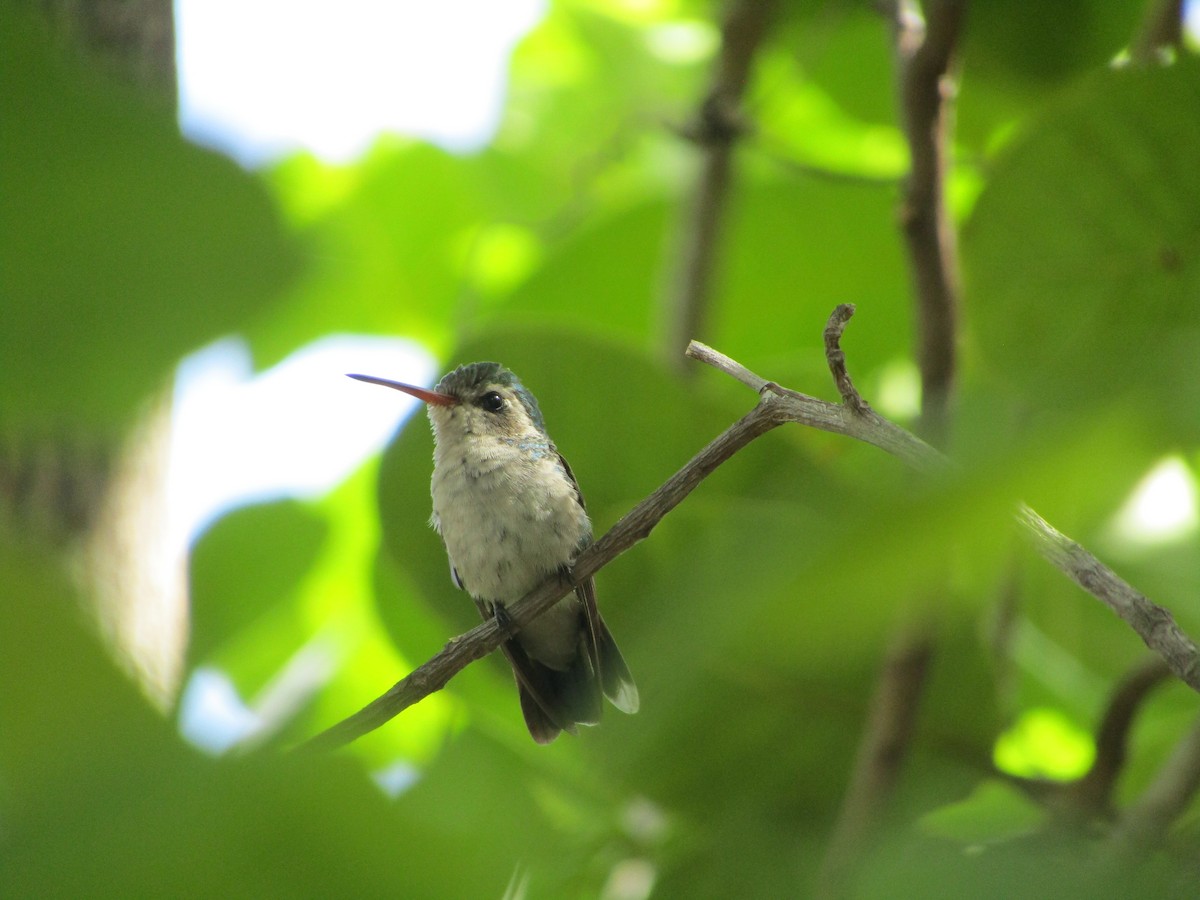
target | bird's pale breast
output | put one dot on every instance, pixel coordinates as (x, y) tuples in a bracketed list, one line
[(509, 516)]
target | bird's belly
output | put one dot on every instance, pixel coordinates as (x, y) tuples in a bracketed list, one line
[(504, 533)]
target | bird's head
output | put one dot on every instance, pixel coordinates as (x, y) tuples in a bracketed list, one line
[(481, 399)]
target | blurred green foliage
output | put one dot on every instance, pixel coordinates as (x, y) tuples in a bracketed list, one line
[(756, 616)]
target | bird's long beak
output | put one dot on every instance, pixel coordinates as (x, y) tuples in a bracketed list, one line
[(420, 393)]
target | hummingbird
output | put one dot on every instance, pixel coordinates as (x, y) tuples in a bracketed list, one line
[(511, 515)]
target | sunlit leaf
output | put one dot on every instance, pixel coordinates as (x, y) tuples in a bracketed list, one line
[(1081, 253), (248, 562), (1044, 744)]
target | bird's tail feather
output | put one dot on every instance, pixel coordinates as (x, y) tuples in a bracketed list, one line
[(552, 700), (618, 685)]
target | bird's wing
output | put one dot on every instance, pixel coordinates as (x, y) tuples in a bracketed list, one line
[(586, 592), (606, 659), (615, 679), (570, 477), (437, 526)]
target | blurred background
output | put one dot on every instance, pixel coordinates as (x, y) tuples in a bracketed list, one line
[(213, 545)]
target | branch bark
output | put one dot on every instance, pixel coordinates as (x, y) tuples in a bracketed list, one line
[(890, 723), (1153, 624), (1160, 33), (924, 56), (635, 526), (716, 129), (924, 53), (776, 405), (1093, 793), (1144, 825)]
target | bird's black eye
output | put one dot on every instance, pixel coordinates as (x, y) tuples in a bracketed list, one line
[(492, 402)]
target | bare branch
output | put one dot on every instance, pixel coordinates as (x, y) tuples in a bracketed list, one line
[(862, 424), (718, 360), (924, 55), (1153, 624), (1145, 824), (1160, 33), (837, 358), (890, 724), (716, 128), (776, 406), (1094, 791), (1112, 737), (483, 639)]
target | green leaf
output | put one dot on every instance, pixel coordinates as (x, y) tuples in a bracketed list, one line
[(578, 284), (611, 273), (246, 564), (1031, 43), (1045, 744), (102, 798), (824, 36), (995, 811), (388, 243), (1082, 258), (124, 247)]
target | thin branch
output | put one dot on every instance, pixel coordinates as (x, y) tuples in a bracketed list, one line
[(483, 639), (718, 360), (890, 723), (863, 425), (1093, 793), (776, 406), (1152, 623), (1155, 625), (1160, 33), (837, 358), (1145, 824), (924, 55), (855, 418), (716, 129)]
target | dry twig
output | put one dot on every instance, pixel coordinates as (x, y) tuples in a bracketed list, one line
[(924, 51), (924, 55), (1090, 798), (1160, 32), (1145, 824), (1093, 794), (716, 129), (891, 720), (776, 406)]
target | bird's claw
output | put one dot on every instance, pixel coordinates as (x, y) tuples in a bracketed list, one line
[(504, 621)]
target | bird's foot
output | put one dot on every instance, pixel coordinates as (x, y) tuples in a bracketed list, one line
[(504, 621), (567, 575)]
